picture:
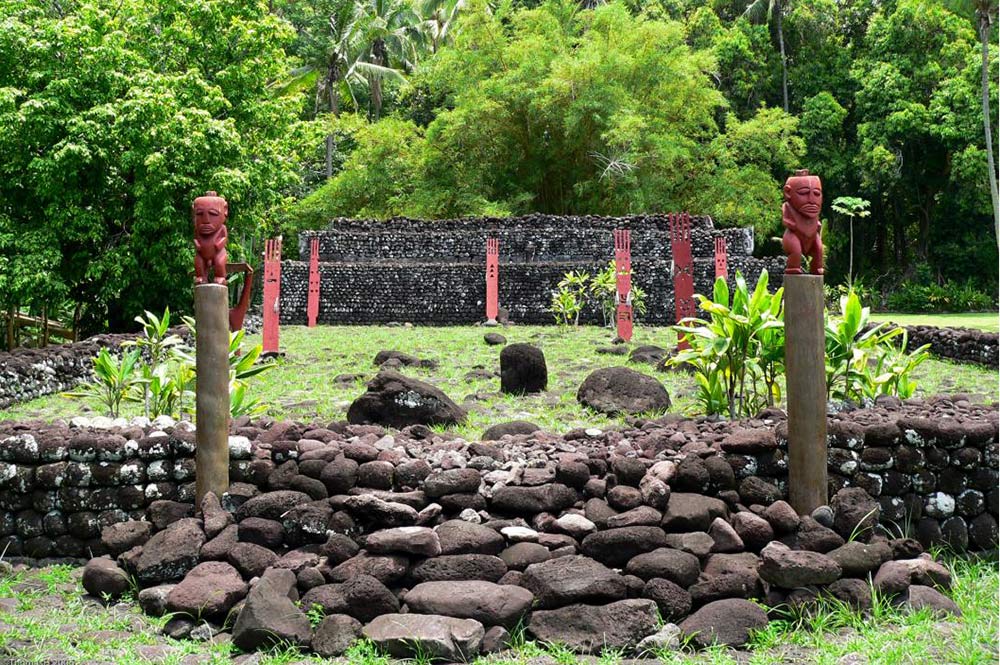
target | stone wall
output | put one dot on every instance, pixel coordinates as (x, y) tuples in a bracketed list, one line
[(960, 344), (434, 272), (29, 373), (931, 466)]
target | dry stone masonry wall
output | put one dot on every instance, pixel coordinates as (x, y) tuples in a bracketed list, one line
[(29, 373), (960, 344), (421, 540), (930, 465), (433, 272)]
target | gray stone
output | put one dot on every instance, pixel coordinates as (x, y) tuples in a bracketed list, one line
[(725, 622), (488, 603), (592, 629), (791, 569), (269, 617), (418, 540), (335, 634), (103, 578), (615, 390), (395, 400), (171, 553), (615, 547), (407, 635), (209, 591), (918, 596), (677, 566), (572, 579)]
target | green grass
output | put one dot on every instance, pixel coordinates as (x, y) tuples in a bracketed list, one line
[(302, 386), (988, 321)]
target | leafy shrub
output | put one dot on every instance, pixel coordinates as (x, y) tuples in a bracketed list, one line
[(578, 291), (862, 360), (115, 380), (832, 294), (738, 352), (951, 297), (165, 380)]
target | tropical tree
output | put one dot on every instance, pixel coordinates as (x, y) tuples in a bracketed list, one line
[(852, 207), (437, 18), (773, 10), (985, 11), (392, 37)]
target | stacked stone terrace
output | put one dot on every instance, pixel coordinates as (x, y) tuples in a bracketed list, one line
[(587, 539), (432, 272)]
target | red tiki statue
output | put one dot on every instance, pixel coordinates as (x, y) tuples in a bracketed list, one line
[(800, 217), (210, 213)]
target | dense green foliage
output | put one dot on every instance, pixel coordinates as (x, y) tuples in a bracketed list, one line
[(737, 353), (657, 106), (161, 374), (114, 116)]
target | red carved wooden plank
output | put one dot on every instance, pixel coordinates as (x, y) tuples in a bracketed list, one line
[(680, 245), (623, 283), (492, 279), (312, 306), (272, 291), (721, 263)]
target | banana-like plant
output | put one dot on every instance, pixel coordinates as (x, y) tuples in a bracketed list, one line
[(737, 353), (114, 381)]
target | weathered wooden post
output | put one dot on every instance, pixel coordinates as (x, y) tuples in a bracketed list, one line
[(211, 310), (492, 280), (721, 262), (683, 264), (805, 344), (312, 306), (272, 292), (623, 284)]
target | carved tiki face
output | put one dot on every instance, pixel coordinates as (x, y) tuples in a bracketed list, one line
[(210, 213), (804, 193)]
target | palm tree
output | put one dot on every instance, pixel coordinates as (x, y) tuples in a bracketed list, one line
[(437, 18), (985, 11), (982, 12), (760, 10), (392, 34), (345, 44), (330, 41)]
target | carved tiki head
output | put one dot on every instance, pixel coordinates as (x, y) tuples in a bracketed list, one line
[(210, 213), (804, 192)]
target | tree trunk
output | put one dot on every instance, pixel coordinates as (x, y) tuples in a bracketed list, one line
[(45, 326), (378, 56), (784, 59), (984, 37), (10, 327), (333, 104), (850, 259), (77, 311)]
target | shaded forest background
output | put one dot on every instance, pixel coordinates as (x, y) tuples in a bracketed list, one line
[(114, 116)]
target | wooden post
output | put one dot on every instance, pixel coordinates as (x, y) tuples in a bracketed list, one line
[(805, 361), (211, 311), (272, 295), (623, 283), (312, 305), (492, 280)]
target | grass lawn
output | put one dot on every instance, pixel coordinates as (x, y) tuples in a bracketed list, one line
[(989, 321), (44, 618), (302, 385)]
